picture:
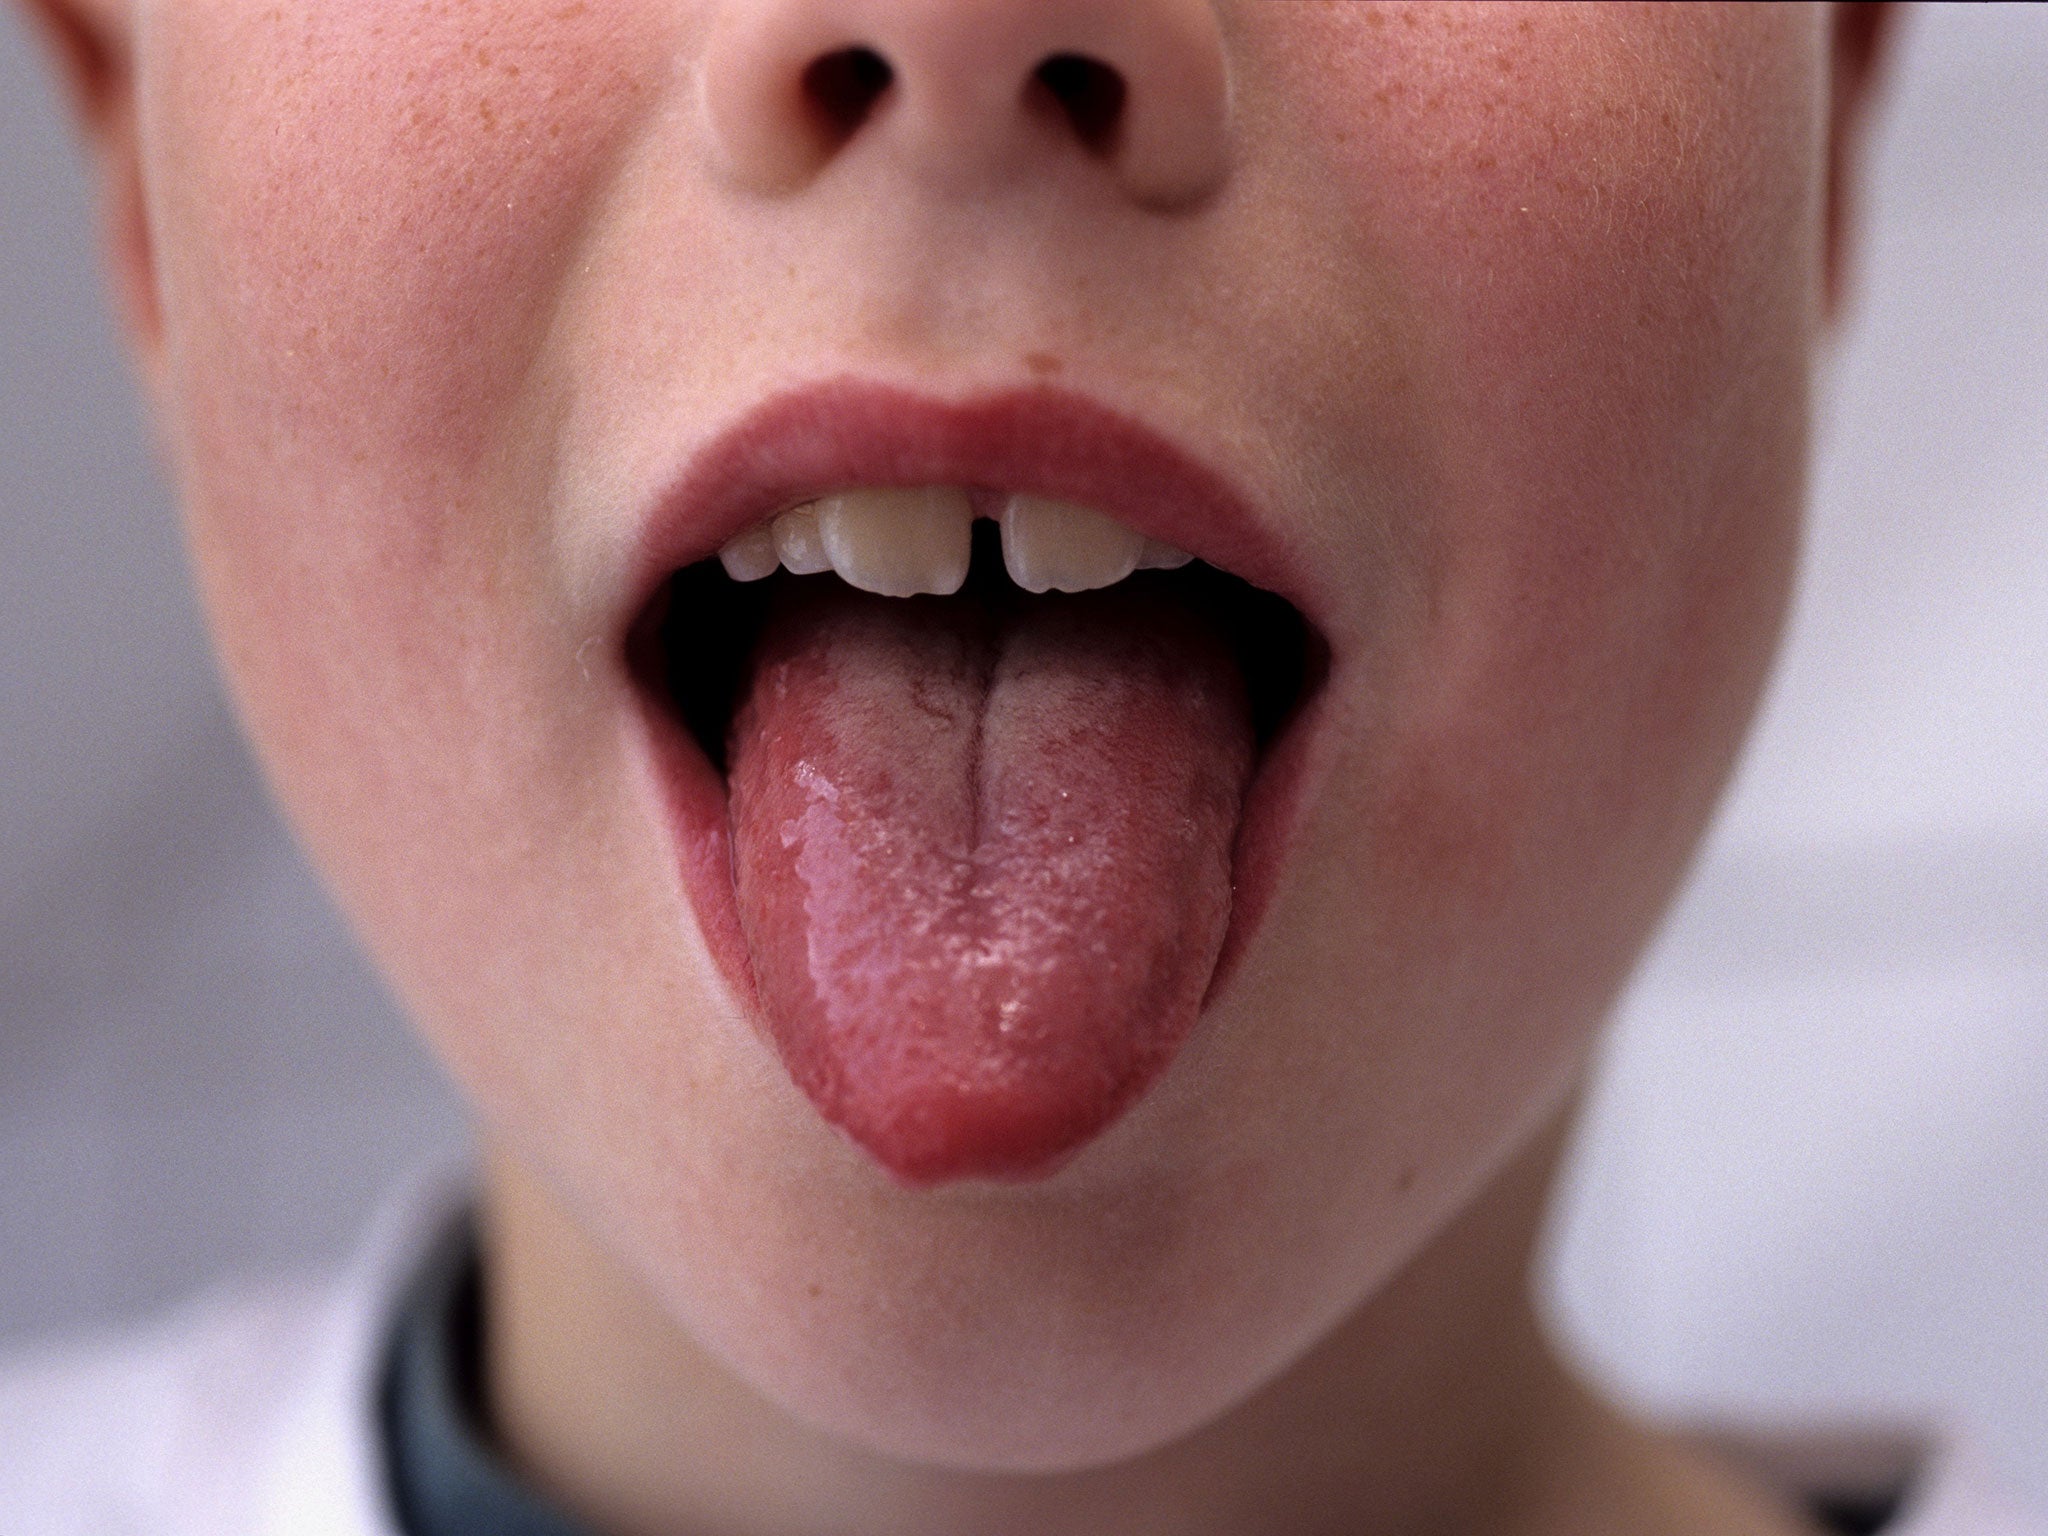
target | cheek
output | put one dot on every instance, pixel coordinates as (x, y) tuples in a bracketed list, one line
[(360, 226), (363, 219), (1609, 224), (1602, 227)]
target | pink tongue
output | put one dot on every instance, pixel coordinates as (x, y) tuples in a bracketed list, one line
[(983, 864)]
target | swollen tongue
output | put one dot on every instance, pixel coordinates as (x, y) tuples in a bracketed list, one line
[(983, 861)]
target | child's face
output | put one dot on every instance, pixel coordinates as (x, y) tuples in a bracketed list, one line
[(1494, 318)]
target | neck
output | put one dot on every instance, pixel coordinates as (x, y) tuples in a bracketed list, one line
[(1435, 1406)]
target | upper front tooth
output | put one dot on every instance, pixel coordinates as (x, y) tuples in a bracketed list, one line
[(1057, 546), (1162, 557), (750, 555), (899, 542), (797, 541)]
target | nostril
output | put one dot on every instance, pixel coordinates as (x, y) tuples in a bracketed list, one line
[(948, 92), (843, 87), (1089, 93)]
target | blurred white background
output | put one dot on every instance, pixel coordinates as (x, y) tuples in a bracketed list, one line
[(1815, 1178)]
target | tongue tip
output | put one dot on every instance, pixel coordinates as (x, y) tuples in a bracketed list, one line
[(1002, 1136), (996, 1152), (932, 1168)]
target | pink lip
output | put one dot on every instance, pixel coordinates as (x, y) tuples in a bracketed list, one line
[(1046, 441)]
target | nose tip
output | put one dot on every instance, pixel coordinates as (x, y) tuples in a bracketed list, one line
[(970, 91)]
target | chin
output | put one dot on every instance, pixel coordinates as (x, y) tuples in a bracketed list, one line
[(1040, 1327)]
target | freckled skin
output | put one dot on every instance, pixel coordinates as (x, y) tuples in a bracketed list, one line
[(1503, 312)]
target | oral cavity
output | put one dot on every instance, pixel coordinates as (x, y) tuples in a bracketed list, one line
[(917, 541), (983, 794)]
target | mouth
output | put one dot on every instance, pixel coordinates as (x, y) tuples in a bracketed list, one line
[(982, 732)]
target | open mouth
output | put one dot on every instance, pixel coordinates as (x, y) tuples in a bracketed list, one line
[(978, 796), (691, 645)]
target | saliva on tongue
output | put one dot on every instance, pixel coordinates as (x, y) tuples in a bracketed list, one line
[(982, 854)]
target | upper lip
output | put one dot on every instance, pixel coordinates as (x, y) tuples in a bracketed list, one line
[(1042, 440)]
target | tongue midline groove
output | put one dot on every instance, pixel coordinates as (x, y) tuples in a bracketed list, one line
[(690, 648)]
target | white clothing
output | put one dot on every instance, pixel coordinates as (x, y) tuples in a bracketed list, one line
[(248, 1412), (252, 1412)]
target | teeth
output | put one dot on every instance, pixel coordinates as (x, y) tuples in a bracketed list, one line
[(1162, 557), (1057, 546), (899, 543), (752, 555), (797, 543)]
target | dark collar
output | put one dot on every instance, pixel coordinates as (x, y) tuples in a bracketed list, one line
[(446, 1477)]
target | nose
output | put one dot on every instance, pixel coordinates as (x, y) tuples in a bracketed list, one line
[(969, 93)]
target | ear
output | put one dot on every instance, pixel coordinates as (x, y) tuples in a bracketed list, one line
[(1862, 37), (91, 43)]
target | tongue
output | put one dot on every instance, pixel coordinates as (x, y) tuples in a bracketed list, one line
[(983, 861)]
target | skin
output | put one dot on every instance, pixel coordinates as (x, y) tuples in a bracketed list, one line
[(1504, 314)]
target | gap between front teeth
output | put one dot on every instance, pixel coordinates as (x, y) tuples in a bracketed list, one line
[(906, 542)]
